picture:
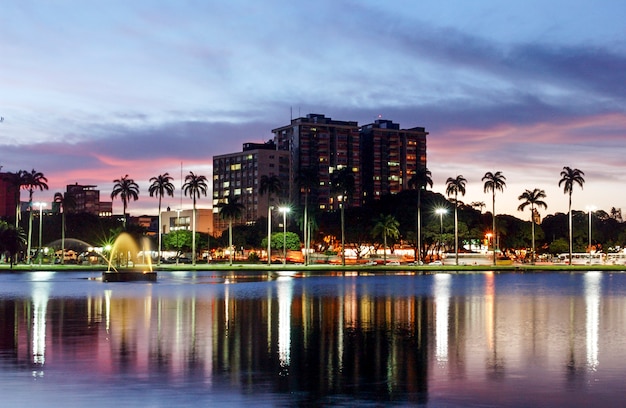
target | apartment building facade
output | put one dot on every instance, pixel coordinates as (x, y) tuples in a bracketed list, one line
[(393, 156), (239, 175), (325, 146)]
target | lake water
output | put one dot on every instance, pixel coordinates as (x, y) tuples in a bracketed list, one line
[(200, 339)]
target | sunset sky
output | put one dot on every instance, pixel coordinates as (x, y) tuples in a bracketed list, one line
[(93, 90)]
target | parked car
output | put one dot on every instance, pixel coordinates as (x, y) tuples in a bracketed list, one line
[(393, 263), (436, 263), (371, 263)]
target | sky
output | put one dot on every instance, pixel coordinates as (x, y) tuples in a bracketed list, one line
[(92, 91)]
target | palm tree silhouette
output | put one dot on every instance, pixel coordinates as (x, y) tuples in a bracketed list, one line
[(230, 211), (570, 177), (195, 185), (66, 201), (32, 181), (127, 190), (421, 179), (532, 198), (387, 226), (494, 182), (161, 186), (456, 186)]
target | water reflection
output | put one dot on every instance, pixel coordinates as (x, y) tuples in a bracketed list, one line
[(438, 339)]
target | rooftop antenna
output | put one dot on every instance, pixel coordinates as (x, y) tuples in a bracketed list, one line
[(181, 185)]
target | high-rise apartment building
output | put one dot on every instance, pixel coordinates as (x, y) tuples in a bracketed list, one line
[(9, 196), (392, 156), (325, 146), (239, 175), (87, 200)]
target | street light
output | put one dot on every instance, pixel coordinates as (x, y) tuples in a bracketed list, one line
[(343, 231), (284, 210), (590, 209), (41, 206), (178, 211), (441, 212), (269, 234)]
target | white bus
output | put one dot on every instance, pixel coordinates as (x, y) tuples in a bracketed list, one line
[(582, 258), (618, 258), (468, 258)]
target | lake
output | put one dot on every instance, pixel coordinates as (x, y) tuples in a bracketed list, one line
[(68, 339)]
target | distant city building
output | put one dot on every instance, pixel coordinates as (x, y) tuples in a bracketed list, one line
[(182, 220), (380, 156), (87, 200), (392, 155), (326, 146), (9, 197), (239, 175)]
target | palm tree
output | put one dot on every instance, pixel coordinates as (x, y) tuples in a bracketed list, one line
[(387, 226), (270, 185), (195, 185), (456, 186), (230, 211), (532, 198), (493, 182), (307, 180), (161, 186), (66, 201), (127, 190), (11, 241), (31, 181), (342, 185), (570, 177), (421, 179)]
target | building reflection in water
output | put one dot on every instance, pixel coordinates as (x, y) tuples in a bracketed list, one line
[(442, 312), (593, 282), (372, 338)]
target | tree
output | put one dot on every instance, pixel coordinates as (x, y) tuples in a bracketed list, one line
[(31, 182), (307, 180), (386, 226), (421, 179), (456, 186), (494, 182), (569, 178), (15, 181), (270, 185), (195, 185), (533, 198), (11, 241), (127, 190), (230, 211), (342, 185), (161, 186), (66, 201)]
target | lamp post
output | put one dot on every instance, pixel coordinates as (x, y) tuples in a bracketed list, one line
[(343, 232), (177, 233), (41, 206), (269, 234), (284, 210), (590, 209), (441, 212)]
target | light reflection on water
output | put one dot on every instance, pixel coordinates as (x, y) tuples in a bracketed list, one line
[(539, 339)]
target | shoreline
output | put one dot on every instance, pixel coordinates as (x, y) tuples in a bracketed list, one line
[(382, 269)]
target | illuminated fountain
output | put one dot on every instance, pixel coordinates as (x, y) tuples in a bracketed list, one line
[(124, 255)]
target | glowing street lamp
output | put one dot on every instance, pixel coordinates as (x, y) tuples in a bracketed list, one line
[(284, 210), (441, 212), (590, 209), (269, 234), (41, 206), (343, 231)]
